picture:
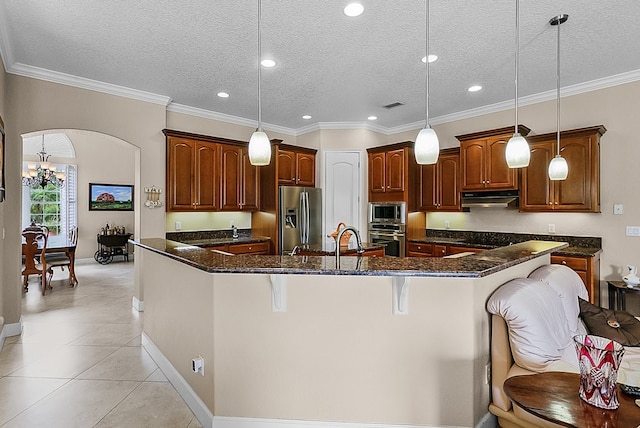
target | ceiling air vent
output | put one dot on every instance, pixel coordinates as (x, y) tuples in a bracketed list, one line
[(392, 105)]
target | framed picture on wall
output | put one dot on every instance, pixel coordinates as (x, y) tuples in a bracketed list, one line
[(2, 173), (110, 197)]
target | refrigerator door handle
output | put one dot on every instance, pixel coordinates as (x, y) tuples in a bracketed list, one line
[(305, 216), (302, 218)]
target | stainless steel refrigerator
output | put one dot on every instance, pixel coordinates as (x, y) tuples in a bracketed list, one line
[(300, 217)]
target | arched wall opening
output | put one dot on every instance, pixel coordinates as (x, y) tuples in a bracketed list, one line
[(99, 158)]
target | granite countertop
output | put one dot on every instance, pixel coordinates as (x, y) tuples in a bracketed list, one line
[(471, 266), (329, 248), (216, 242), (570, 250)]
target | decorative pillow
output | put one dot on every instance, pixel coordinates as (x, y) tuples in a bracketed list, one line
[(620, 326), (567, 283), (538, 328)]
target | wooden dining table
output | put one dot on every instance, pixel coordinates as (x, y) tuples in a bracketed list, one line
[(55, 244)]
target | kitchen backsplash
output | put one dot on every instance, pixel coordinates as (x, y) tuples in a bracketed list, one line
[(502, 238), (196, 235)]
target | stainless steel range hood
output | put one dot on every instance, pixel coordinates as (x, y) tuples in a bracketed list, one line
[(490, 199)]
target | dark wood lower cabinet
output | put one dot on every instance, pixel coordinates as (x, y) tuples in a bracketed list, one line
[(588, 268)]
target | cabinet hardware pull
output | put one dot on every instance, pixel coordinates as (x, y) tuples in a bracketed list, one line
[(564, 262)]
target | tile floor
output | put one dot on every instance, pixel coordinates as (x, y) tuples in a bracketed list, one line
[(79, 362)]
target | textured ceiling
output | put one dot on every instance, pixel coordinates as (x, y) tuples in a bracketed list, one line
[(334, 68)]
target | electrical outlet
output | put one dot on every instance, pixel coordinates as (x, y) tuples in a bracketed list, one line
[(178, 225), (618, 209), (197, 365), (447, 224), (633, 230), (552, 228)]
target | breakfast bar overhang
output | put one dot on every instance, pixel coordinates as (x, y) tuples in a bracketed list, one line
[(289, 340)]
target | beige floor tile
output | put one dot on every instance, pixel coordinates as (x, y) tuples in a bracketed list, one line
[(152, 404), (114, 334), (136, 341), (127, 363), (56, 333), (19, 393), (79, 403), (194, 423), (157, 376), (15, 356), (66, 362)]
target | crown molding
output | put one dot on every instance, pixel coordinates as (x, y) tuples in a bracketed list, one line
[(222, 117), (83, 83)]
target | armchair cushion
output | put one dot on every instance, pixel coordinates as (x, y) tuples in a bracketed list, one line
[(538, 327)]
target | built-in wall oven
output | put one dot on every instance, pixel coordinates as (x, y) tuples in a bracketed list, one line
[(387, 226)]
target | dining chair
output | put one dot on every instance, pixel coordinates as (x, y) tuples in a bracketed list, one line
[(62, 258), (34, 249)]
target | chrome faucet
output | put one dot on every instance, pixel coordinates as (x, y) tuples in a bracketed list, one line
[(360, 250), (295, 250), (235, 232)]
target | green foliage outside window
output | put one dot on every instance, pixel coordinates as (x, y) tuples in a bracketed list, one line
[(46, 207)]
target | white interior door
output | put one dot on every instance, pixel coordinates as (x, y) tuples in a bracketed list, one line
[(342, 190)]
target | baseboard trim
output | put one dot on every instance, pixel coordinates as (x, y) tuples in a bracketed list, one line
[(197, 406), (8, 330), (489, 420), (138, 305), (230, 422)]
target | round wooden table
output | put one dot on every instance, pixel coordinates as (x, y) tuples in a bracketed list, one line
[(554, 396)]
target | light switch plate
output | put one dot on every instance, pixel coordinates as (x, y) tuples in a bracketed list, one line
[(178, 225), (633, 230)]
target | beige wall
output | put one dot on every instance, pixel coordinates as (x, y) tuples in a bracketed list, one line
[(38, 105)]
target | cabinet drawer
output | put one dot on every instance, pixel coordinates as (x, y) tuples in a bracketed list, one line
[(575, 263), (421, 249), (253, 248), (454, 249)]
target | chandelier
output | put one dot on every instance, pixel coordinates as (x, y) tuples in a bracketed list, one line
[(42, 173)]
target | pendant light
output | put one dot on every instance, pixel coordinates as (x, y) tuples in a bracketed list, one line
[(427, 147), (558, 168), (517, 152), (259, 144)]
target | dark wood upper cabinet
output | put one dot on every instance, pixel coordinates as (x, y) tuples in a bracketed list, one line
[(580, 192), (393, 174), (440, 183), (207, 173), (192, 175), (482, 160), (377, 172), (240, 183), (296, 166)]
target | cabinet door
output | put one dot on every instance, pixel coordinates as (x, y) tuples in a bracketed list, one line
[(231, 158), (395, 174), (472, 161), (537, 190), (305, 169), (377, 173), (575, 193), (448, 183), (287, 167), (498, 174), (206, 177), (181, 182), (428, 188), (250, 184)]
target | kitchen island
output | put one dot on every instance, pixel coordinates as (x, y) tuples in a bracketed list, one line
[(288, 340)]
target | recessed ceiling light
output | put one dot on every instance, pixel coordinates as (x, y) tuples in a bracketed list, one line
[(268, 63), (353, 9), (306, 117), (372, 118), (432, 58), (223, 95), (474, 88)]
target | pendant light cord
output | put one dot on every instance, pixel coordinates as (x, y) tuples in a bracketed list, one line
[(517, 60), (426, 79), (259, 54), (558, 88)]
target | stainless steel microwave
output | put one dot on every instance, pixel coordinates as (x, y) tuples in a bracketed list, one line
[(387, 212)]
